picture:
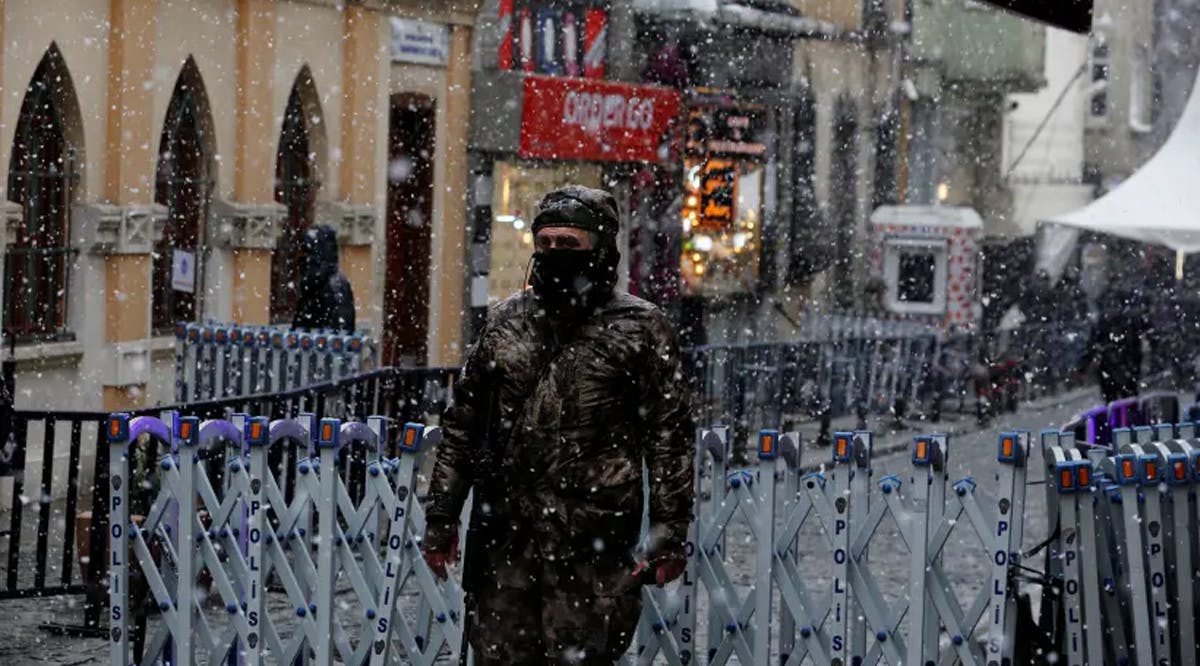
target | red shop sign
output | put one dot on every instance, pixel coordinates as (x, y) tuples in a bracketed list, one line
[(582, 119)]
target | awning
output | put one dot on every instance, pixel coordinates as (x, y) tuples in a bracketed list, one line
[(1073, 15), (1158, 204), (776, 17)]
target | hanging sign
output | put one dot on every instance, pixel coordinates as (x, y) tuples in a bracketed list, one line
[(730, 131), (718, 195), (584, 119), (183, 271), (554, 37), (420, 42)]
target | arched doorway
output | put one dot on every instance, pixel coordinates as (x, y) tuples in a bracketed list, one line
[(409, 224), (184, 184), (43, 173), (297, 180)]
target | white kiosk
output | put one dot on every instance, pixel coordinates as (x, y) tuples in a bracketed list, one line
[(928, 260)]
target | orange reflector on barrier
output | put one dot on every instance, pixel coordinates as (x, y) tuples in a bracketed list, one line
[(767, 444), (841, 447), (114, 427), (1127, 469), (922, 449), (1085, 476), (1006, 447), (1151, 471), (185, 430), (1067, 480), (1180, 471), (327, 432), (255, 430), (409, 435)]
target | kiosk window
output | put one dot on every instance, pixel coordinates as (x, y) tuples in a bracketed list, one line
[(916, 278)]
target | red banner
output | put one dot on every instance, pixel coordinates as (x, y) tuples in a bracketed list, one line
[(584, 119)]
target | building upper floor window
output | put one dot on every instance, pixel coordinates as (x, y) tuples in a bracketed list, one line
[(1101, 71), (554, 37), (1141, 94)]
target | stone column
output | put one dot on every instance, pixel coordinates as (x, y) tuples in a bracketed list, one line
[(121, 227), (355, 215), (451, 263), (248, 227)]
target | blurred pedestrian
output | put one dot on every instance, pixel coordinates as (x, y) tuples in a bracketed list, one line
[(571, 386), (1115, 349), (325, 300)]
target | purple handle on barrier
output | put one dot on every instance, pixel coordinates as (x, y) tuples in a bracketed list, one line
[(357, 431), (150, 425), (1123, 413), (218, 429)]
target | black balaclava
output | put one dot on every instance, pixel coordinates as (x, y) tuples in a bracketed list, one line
[(567, 281)]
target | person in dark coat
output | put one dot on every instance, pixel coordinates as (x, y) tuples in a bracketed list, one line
[(1116, 345), (325, 300), (571, 388)]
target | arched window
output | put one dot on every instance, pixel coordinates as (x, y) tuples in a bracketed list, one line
[(41, 178), (296, 185), (184, 185)]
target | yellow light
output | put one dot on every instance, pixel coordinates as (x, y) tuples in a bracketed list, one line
[(750, 225), (698, 269), (527, 238), (943, 192), (693, 201), (696, 256)]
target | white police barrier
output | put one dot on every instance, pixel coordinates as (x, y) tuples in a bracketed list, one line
[(218, 360), (299, 542), (847, 619), (1126, 546), (253, 562)]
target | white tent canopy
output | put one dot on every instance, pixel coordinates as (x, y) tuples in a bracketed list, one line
[(1158, 204)]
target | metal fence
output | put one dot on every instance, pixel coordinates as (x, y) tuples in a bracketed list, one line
[(1125, 546), (31, 546), (835, 366), (216, 360), (334, 570), (320, 556)]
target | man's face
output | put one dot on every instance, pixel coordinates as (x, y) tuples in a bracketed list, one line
[(562, 238)]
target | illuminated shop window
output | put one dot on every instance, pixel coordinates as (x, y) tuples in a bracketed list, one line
[(723, 201), (519, 186)]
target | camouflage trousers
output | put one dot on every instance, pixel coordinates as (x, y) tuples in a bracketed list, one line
[(527, 609)]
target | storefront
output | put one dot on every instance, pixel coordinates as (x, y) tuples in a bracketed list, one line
[(724, 167), (564, 130)]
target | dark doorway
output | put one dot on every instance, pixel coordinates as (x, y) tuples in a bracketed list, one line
[(409, 224)]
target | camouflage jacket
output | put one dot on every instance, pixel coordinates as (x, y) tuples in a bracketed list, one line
[(551, 424)]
